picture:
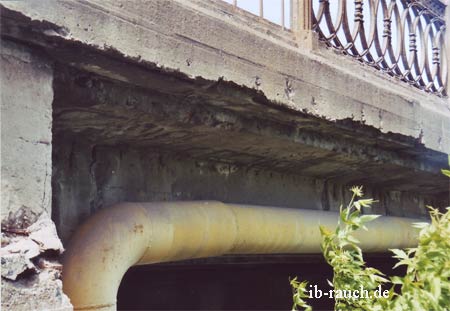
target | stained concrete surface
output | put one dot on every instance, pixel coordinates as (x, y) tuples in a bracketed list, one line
[(177, 141), (89, 177), (170, 36), (149, 106), (26, 137), (30, 248)]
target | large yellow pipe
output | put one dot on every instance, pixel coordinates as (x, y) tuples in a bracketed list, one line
[(128, 234)]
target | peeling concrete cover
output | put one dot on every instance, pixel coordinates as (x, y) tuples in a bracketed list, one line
[(31, 275), (246, 101), (317, 82), (30, 246)]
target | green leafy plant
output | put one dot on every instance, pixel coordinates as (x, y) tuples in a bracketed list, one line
[(300, 294), (341, 251), (426, 285), (446, 172)]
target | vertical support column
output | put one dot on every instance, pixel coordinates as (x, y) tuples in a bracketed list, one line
[(32, 278), (26, 135), (261, 8), (301, 23), (447, 46)]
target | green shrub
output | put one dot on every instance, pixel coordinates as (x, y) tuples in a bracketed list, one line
[(426, 285)]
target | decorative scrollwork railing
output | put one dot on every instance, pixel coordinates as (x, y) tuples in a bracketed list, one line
[(401, 37)]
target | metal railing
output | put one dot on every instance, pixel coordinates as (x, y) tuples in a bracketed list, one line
[(403, 38)]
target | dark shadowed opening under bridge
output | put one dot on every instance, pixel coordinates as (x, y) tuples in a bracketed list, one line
[(258, 283)]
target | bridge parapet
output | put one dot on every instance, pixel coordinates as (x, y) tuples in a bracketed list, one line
[(402, 38)]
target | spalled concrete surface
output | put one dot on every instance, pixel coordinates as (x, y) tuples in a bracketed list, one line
[(29, 246), (148, 75), (41, 291), (31, 273), (191, 119), (191, 100), (188, 36), (181, 139)]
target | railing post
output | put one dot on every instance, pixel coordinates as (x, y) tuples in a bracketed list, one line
[(301, 23), (447, 46)]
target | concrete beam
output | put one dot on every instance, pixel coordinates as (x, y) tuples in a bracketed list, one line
[(179, 117), (172, 35)]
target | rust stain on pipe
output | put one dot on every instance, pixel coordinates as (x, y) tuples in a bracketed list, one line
[(129, 234)]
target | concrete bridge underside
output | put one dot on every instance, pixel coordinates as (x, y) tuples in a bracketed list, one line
[(195, 82), (192, 100)]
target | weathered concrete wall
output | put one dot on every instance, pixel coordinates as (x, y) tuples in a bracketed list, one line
[(30, 246), (26, 136), (148, 76), (116, 142), (202, 38), (154, 107), (88, 177)]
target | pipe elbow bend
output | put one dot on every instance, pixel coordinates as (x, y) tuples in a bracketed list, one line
[(100, 253)]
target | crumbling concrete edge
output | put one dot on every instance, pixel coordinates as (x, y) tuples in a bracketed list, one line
[(387, 106)]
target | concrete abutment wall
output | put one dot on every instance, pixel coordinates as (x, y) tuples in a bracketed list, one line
[(27, 96), (31, 271)]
